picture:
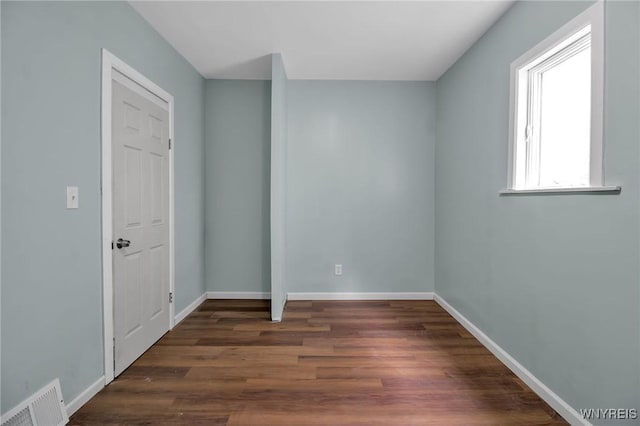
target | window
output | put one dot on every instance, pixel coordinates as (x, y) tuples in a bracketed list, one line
[(557, 110)]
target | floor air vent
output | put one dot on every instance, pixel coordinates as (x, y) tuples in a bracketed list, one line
[(44, 408)]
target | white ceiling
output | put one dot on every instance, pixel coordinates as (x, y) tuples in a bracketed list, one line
[(325, 40)]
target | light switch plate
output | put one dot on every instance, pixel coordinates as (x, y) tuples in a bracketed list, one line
[(338, 269), (72, 197)]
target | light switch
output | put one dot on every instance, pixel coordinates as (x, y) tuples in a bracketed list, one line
[(338, 269), (72, 197)]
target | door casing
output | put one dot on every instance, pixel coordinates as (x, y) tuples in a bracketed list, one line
[(110, 63)]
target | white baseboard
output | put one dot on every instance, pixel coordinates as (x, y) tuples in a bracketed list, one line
[(192, 307), (361, 296), (238, 295), (85, 396), (550, 397)]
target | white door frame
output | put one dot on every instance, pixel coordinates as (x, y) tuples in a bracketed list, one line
[(110, 64)]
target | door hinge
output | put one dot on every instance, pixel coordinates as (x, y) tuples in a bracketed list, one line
[(527, 133), (169, 143), (111, 245), (170, 297), (114, 354)]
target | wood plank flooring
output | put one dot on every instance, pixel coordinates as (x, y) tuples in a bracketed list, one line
[(326, 363)]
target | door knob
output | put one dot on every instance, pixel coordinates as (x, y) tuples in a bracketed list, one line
[(122, 243)]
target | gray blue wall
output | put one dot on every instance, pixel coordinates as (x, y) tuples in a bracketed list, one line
[(360, 186), (238, 135), (51, 277), (551, 279)]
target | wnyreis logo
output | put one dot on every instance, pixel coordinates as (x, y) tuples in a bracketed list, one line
[(609, 413)]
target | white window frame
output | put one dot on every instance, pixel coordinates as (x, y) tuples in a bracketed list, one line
[(537, 59)]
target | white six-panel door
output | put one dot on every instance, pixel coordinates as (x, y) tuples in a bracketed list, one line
[(140, 135)]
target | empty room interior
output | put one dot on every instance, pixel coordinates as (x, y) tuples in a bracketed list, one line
[(320, 212)]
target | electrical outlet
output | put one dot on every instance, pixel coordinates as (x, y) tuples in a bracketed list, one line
[(338, 269), (72, 197)]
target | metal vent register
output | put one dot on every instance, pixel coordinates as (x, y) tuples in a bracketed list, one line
[(44, 408)]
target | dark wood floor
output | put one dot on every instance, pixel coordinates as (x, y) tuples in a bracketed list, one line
[(326, 363)]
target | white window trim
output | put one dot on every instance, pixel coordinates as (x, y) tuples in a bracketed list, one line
[(563, 190), (593, 16)]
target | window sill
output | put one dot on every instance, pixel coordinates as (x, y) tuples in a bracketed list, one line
[(560, 191)]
